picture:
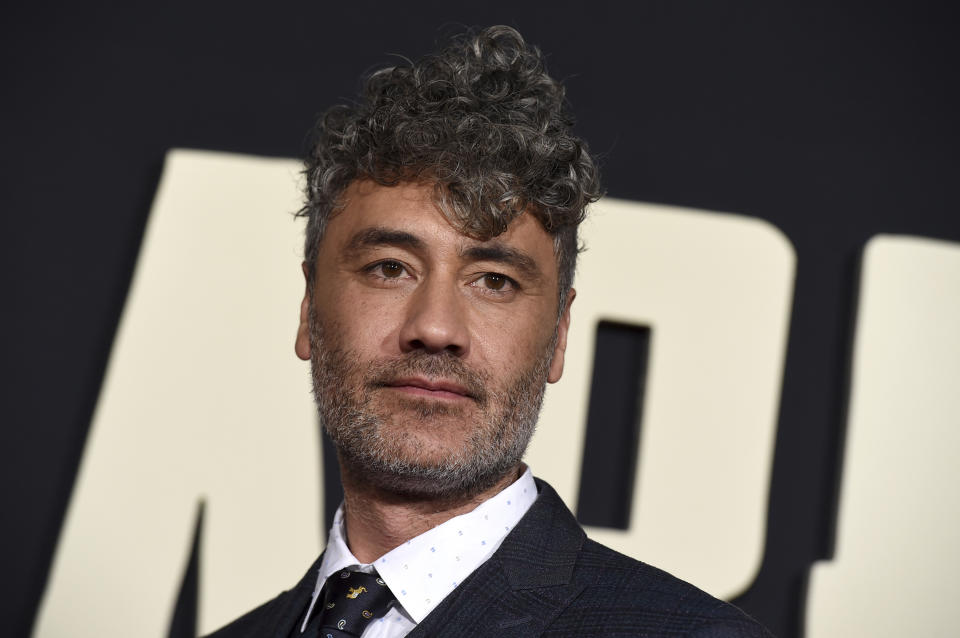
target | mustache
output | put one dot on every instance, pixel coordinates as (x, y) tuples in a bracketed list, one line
[(439, 366)]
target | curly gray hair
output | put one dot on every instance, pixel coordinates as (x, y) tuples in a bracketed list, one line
[(484, 122)]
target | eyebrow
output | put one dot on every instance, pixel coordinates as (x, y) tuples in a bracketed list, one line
[(494, 251), (380, 236), (499, 252)]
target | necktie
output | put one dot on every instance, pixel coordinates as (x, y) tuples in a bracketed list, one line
[(351, 600)]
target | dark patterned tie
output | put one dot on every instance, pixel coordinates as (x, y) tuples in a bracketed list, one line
[(351, 600)]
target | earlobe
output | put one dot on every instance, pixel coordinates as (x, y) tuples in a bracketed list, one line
[(563, 326), (302, 343)]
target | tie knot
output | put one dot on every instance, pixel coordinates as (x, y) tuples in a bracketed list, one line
[(351, 600)]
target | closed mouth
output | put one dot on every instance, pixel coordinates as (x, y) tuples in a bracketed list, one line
[(430, 388)]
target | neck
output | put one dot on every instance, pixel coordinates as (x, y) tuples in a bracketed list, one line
[(378, 520)]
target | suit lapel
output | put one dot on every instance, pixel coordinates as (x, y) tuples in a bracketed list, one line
[(292, 605), (524, 585)]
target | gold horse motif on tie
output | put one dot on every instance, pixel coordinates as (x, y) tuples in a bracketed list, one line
[(356, 591)]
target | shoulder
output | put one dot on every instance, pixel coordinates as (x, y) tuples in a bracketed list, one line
[(621, 595), (278, 614)]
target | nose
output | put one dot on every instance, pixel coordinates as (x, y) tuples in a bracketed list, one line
[(436, 320)]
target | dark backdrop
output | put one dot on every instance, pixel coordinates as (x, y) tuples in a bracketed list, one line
[(833, 123)]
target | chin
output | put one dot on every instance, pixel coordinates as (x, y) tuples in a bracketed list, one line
[(414, 410), (421, 468), (428, 449)]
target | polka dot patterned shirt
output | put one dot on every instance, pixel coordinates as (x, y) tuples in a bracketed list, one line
[(422, 571)]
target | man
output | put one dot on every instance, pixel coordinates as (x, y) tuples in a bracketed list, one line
[(441, 244)]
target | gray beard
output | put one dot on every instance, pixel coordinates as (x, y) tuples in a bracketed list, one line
[(343, 387)]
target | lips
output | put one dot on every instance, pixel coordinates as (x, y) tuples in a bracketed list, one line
[(430, 388)]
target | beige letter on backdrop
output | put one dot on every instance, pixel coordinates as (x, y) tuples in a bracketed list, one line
[(895, 572), (716, 291), (203, 398)]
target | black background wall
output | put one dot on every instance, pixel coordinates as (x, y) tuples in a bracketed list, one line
[(834, 123)]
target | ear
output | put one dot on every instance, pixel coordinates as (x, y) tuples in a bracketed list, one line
[(302, 344), (556, 365)]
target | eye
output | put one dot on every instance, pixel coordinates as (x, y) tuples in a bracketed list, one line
[(390, 269), (495, 282), (387, 270)]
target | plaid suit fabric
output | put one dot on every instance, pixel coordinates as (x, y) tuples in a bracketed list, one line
[(547, 579)]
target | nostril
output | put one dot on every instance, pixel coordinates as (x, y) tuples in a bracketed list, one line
[(435, 321), (429, 346)]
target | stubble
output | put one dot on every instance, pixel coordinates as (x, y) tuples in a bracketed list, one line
[(382, 442)]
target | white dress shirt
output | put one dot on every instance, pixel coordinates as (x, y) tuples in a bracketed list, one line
[(425, 569)]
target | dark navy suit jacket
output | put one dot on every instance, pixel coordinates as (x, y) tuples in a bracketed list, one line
[(546, 579)]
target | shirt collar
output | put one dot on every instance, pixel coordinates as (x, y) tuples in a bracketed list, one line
[(425, 569)]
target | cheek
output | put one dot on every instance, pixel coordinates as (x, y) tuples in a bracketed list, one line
[(366, 325), (507, 346)]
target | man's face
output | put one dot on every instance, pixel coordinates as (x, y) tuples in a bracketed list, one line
[(430, 350)]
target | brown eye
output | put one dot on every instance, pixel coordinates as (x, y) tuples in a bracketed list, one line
[(495, 281), (391, 269)]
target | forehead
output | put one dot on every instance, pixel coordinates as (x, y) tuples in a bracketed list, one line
[(411, 207)]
